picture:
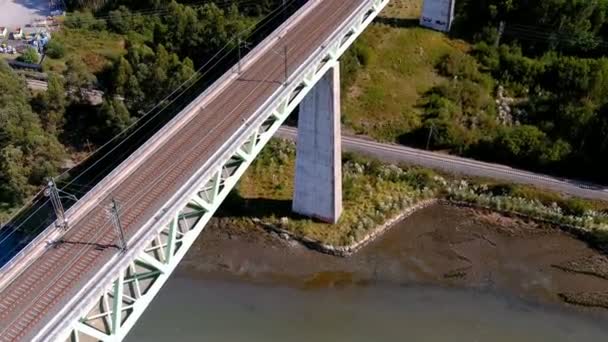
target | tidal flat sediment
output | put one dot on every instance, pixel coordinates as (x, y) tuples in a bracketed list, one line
[(439, 245)]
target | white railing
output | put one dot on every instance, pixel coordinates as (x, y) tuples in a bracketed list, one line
[(333, 46), (103, 188)]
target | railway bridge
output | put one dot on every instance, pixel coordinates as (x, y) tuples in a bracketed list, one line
[(85, 289)]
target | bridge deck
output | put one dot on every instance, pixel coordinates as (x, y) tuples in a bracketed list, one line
[(29, 301)]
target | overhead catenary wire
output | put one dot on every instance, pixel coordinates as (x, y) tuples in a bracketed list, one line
[(137, 196), (83, 249), (184, 155), (30, 202), (168, 96), (189, 82), (100, 232), (15, 229), (544, 34)]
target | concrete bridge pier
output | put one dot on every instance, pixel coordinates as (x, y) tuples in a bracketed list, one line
[(318, 179)]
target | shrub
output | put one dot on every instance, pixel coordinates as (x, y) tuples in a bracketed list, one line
[(502, 189), (364, 54), (487, 56), (515, 67), (532, 193), (420, 178), (458, 64), (576, 206), (84, 20), (30, 55), (55, 49)]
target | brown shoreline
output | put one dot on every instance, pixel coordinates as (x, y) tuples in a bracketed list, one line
[(346, 251), (441, 245)]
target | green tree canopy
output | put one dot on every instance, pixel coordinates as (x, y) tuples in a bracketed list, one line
[(28, 153)]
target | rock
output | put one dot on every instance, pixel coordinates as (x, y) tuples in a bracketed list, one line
[(284, 221)]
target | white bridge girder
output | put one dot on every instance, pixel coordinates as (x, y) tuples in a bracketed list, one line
[(112, 302)]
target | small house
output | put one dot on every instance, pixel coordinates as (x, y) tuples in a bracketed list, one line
[(3, 32), (17, 34)]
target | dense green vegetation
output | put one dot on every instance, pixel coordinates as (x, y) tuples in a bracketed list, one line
[(135, 52), (553, 62), (570, 27), (28, 152), (375, 192), (426, 89), (369, 199), (535, 100), (30, 55)]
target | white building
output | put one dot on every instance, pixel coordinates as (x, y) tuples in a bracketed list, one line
[(17, 34), (438, 14)]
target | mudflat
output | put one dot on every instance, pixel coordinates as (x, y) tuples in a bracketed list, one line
[(440, 245)]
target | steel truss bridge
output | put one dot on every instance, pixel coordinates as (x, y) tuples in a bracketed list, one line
[(80, 287)]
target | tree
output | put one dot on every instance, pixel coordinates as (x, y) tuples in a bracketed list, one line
[(119, 20), (84, 20), (55, 49), (145, 76), (14, 185), (114, 117), (199, 33), (52, 105), (78, 80), (28, 153), (573, 27), (525, 146)]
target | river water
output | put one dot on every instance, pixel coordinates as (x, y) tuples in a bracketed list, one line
[(239, 287), (200, 310)]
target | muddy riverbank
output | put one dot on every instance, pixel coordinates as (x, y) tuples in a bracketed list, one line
[(440, 245)]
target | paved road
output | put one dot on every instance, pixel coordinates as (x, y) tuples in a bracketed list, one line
[(469, 167), (144, 187)]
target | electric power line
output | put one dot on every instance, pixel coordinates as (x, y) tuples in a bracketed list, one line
[(265, 22), (190, 82), (102, 230), (534, 33)]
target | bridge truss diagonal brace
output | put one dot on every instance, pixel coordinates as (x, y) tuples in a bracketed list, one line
[(110, 305), (142, 280)]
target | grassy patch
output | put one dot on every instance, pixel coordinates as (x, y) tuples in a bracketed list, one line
[(385, 98), (372, 193), (93, 47)]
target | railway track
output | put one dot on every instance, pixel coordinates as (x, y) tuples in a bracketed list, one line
[(35, 295)]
